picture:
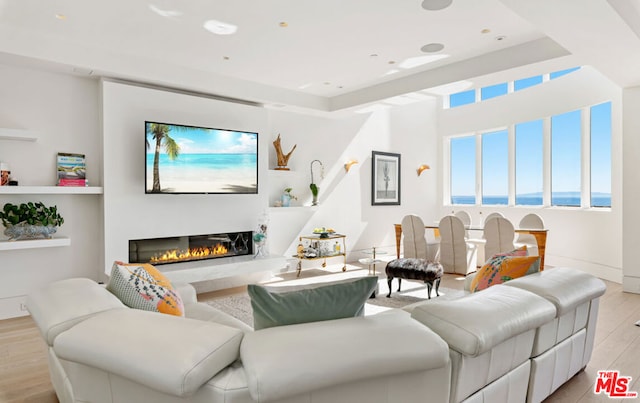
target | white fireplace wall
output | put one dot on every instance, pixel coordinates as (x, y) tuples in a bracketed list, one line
[(129, 213)]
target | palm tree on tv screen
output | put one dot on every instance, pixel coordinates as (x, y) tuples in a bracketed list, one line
[(160, 133)]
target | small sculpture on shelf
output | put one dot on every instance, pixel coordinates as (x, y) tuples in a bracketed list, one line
[(287, 196), (283, 159)]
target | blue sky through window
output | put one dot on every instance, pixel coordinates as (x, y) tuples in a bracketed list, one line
[(526, 83), (495, 167), (462, 98), (493, 91), (565, 159), (529, 161), (463, 170), (561, 73), (601, 155)]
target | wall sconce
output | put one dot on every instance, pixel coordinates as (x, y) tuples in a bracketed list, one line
[(348, 164), (423, 167)]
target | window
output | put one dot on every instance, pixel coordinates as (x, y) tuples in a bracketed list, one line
[(526, 83), (529, 163), (565, 159), (495, 168), (493, 91), (561, 73), (462, 98), (463, 170), (601, 155)]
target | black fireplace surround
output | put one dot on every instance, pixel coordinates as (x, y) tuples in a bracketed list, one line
[(190, 247)]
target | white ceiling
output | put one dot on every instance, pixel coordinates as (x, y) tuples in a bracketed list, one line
[(333, 54)]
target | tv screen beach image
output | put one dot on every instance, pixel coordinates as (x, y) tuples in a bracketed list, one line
[(189, 159)]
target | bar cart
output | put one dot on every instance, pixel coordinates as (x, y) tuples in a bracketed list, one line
[(321, 246)]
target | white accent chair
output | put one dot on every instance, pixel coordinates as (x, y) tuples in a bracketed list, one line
[(456, 254), (529, 221), (415, 244), (500, 234), (492, 215)]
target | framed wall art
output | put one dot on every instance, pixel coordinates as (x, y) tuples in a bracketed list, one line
[(385, 179)]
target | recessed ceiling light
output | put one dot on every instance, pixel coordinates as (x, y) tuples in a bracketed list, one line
[(61, 16), (164, 13), (501, 38), (434, 5), (485, 31), (327, 83), (225, 57), (391, 62), (373, 55), (220, 28), (432, 47), (283, 24)]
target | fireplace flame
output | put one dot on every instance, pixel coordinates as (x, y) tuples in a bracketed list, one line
[(177, 255)]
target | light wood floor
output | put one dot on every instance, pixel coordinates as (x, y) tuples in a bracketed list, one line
[(24, 373)]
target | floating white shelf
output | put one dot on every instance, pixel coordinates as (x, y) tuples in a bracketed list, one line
[(34, 243), (291, 209), (17, 134), (50, 190)]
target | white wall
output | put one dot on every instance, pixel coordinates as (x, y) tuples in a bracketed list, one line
[(589, 239), (345, 198), (62, 110), (129, 213), (631, 181)]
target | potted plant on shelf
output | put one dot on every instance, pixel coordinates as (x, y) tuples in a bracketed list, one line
[(30, 220), (287, 196)]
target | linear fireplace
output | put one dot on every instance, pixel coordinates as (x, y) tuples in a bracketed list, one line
[(190, 247)]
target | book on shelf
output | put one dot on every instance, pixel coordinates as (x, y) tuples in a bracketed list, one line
[(71, 170)]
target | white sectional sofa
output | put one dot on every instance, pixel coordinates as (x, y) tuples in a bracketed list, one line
[(508, 343), (102, 351)]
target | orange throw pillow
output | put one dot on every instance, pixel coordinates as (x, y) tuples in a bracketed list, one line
[(142, 286), (501, 268)]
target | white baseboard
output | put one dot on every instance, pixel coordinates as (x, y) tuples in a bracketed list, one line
[(13, 307)]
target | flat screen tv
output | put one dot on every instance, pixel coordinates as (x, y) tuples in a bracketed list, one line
[(190, 159)]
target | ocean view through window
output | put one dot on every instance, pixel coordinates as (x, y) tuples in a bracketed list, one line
[(564, 161)]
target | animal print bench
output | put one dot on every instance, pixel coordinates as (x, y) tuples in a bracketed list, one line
[(414, 269)]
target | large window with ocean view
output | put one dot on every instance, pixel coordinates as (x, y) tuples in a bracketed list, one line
[(552, 161), (529, 159), (495, 168), (463, 170), (600, 127), (565, 159)]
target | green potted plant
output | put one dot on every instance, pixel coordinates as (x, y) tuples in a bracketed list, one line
[(30, 220)]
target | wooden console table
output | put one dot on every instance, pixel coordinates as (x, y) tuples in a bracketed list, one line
[(539, 234)]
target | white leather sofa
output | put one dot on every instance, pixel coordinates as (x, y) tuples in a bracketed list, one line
[(515, 342), (518, 341), (102, 351)]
